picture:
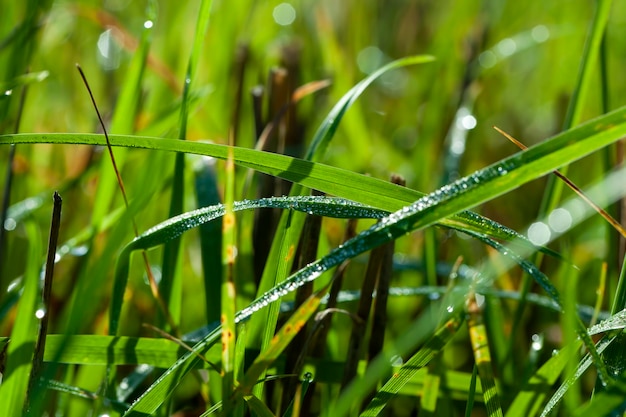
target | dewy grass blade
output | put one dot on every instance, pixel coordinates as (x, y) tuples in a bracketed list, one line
[(360, 188)]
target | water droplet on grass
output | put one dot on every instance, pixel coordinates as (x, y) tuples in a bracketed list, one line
[(10, 224), (537, 342)]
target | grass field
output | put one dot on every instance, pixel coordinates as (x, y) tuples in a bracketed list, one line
[(317, 216)]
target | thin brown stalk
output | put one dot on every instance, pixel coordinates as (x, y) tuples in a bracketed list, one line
[(153, 284), (616, 225)]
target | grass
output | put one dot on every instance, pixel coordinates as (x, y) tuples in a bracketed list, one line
[(288, 276)]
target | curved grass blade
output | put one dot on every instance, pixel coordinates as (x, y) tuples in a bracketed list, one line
[(408, 370), (330, 180), (327, 129), (535, 390), (173, 228)]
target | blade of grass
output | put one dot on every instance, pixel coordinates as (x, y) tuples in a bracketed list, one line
[(431, 348), (482, 356), (614, 223), (227, 318), (14, 387)]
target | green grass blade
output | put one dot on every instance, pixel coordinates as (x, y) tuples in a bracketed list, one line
[(118, 350), (408, 370), (14, 388), (266, 323), (118, 406), (529, 400), (582, 367), (482, 356), (357, 187), (227, 317), (326, 131), (207, 194)]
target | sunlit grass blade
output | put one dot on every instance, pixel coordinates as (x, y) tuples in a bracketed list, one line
[(14, 388), (264, 324), (227, 317), (122, 350), (408, 370), (581, 368), (334, 181), (482, 356), (534, 391), (614, 223)]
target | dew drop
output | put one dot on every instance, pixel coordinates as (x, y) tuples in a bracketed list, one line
[(396, 361), (433, 296), (14, 284), (10, 224), (40, 313)]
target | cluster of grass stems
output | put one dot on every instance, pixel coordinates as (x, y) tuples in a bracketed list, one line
[(273, 270)]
